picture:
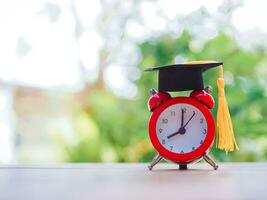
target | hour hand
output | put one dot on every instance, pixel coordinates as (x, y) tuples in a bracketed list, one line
[(173, 134)]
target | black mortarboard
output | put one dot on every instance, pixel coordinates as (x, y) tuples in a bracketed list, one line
[(182, 77)]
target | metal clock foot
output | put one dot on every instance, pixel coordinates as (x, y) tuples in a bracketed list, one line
[(155, 161), (210, 161)]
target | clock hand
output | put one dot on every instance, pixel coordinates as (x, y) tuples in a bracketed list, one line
[(182, 120), (182, 129), (173, 134), (189, 119)]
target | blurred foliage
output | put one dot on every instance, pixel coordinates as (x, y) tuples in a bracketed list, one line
[(113, 129)]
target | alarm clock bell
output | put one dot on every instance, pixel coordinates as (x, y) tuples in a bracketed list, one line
[(182, 129)]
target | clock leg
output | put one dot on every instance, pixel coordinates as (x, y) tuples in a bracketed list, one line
[(209, 160), (155, 161)]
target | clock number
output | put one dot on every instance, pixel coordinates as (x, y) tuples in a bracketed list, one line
[(201, 121), (204, 131), (163, 141), (172, 113), (160, 130), (165, 121), (182, 151), (201, 142), (193, 148), (171, 147)]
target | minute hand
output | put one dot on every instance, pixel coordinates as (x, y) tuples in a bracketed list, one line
[(189, 119), (182, 118)]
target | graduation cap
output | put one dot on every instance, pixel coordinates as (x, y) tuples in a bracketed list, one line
[(182, 77), (188, 76)]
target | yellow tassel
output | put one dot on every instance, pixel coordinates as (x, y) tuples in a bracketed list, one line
[(225, 134)]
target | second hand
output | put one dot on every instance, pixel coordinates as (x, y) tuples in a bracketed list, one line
[(189, 119)]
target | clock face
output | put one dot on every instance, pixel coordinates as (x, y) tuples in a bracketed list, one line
[(181, 128)]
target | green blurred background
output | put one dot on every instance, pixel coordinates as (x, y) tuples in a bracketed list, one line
[(119, 126), (107, 112)]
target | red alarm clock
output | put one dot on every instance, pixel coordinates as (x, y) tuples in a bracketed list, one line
[(181, 129)]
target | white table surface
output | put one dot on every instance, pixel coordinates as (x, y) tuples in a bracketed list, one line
[(132, 181)]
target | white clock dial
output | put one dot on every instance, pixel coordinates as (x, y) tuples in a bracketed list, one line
[(181, 128)]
